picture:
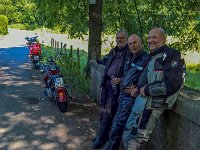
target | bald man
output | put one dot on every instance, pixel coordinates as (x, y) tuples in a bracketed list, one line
[(158, 89), (132, 71)]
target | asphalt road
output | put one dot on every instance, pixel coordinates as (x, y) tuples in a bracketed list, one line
[(26, 121)]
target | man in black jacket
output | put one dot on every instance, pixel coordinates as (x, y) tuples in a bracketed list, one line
[(158, 89), (133, 68), (114, 65)]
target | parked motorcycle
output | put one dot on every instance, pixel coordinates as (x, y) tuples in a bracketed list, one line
[(35, 51), (35, 55), (31, 40), (56, 87), (59, 92)]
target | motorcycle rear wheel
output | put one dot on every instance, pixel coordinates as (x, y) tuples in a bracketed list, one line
[(35, 66), (62, 106)]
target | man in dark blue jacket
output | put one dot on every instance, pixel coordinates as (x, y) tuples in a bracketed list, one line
[(133, 68), (114, 66)]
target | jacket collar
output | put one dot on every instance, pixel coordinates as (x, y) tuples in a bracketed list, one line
[(122, 49), (134, 56), (157, 51)]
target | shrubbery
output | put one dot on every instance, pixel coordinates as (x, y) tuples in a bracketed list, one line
[(3, 25), (194, 67), (23, 26)]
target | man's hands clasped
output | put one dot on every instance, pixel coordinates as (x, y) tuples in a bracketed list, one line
[(133, 91)]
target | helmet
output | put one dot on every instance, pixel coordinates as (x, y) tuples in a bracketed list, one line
[(50, 60)]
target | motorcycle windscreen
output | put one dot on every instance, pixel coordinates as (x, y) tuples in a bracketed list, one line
[(36, 57)]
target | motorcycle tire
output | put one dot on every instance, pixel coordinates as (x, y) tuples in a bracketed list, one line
[(62, 106), (35, 66)]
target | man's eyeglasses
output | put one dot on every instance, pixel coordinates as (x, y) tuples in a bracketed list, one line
[(119, 38)]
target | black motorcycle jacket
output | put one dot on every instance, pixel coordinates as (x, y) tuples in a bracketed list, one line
[(133, 69), (107, 62), (163, 74)]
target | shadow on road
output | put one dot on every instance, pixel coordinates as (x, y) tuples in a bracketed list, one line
[(29, 123)]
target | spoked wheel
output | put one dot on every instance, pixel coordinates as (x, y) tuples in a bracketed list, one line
[(62, 106)]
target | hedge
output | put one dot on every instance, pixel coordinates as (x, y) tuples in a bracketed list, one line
[(3, 25)]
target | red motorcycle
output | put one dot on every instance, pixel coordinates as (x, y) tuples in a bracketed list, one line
[(35, 51), (56, 87), (35, 55)]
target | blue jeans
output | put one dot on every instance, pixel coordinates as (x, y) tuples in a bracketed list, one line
[(136, 111), (124, 109), (133, 120)]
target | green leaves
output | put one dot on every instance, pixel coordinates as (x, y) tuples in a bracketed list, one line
[(179, 18), (3, 25)]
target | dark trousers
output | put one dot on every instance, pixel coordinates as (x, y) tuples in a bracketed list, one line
[(108, 108), (124, 109)]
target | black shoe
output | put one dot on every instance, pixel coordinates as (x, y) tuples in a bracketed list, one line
[(98, 142), (112, 145), (94, 139)]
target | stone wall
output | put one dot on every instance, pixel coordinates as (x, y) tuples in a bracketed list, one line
[(177, 129), (96, 73)]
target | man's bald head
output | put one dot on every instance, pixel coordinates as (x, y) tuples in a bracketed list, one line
[(160, 31), (156, 38)]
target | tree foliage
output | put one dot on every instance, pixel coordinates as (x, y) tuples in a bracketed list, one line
[(19, 12), (67, 15), (179, 18), (3, 25)]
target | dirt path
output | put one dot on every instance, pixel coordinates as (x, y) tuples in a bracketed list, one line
[(27, 123)]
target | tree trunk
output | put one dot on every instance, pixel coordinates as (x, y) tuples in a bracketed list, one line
[(95, 29)]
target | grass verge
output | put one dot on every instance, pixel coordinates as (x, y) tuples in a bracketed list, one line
[(193, 79), (73, 72)]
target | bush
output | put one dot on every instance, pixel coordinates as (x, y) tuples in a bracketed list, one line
[(3, 25), (18, 26), (23, 26), (194, 67)]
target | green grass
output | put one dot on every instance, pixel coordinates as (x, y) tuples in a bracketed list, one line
[(193, 76)]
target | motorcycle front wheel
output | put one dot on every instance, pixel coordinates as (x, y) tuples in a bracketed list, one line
[(36, 66), (62, 106)]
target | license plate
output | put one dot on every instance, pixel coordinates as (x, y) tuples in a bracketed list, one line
[(35, 57)]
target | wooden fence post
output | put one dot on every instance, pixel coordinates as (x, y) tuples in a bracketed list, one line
[(71, 52), (65, 48), (55, 45), (61, 47), (52, 43), (78, 56), (58, 46)]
